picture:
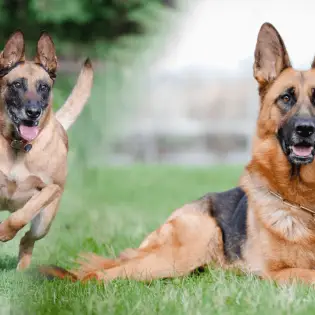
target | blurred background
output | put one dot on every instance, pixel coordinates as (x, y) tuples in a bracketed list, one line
[(173, 79)]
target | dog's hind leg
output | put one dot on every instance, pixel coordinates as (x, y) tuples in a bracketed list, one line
[(188, 240)]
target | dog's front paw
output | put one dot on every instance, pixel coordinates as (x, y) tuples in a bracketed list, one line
[(7, 233)]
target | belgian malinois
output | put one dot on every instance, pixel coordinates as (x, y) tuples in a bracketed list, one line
[(33, 140), (267, 225)]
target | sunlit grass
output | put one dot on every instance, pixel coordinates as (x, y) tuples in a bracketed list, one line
[(105, 210)]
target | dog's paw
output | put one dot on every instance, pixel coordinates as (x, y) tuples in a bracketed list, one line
[(7, 233)]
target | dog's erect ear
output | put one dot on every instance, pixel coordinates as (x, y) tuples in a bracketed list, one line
[(313, 63), (46, 54), (271, 56), (13, 51)]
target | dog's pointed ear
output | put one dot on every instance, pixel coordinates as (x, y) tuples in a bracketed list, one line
[(46, 54), (271, 56), (14, 50)]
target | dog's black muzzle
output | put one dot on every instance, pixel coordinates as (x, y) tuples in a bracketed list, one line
[(297, 139)]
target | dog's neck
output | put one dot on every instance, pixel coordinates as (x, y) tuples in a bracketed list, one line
[(19, 144), (270, 169), (292, 205)]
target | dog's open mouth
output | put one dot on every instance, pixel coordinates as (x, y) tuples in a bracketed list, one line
[(27, 129), (302, 153), (302, 150), (28, 133)]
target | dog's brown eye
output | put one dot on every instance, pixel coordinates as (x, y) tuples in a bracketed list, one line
[(43, 88), (286, 98), (17, 85)]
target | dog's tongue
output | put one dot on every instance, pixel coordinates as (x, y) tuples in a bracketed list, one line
[(28, 133), (302, 151)]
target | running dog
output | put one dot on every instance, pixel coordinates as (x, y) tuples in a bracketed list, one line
[(33, 140)]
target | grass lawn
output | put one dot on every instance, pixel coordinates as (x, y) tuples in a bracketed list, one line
[(106, 210)]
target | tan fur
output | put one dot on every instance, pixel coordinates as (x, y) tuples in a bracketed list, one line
[(73, 106), (170, 251), (280, 241), (32, 183)]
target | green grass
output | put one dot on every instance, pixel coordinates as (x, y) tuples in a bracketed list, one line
[(106, 210)]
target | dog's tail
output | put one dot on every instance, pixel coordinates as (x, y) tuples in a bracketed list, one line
[(54, 272), (90, 266), (137, 264), (80, 94)]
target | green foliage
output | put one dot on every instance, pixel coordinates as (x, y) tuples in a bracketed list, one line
[(60, 11), (83, 22)]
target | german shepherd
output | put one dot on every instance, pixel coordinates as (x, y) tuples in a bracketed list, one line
[(267, 225), (33, 140)]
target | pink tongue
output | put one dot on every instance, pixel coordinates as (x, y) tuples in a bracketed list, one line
[(28, 133), (302, 151)]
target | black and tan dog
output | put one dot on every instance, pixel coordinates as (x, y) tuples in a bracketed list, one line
[(33, 140), (267, 225)]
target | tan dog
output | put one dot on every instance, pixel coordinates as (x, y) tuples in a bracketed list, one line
[(266, 226), (33, 140)]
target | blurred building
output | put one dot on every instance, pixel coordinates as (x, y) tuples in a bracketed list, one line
[(197, 101)]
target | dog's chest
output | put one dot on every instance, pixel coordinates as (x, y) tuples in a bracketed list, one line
[(18, 183), (279, 238)]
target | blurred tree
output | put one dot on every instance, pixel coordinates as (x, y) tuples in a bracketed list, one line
[(78, 21)]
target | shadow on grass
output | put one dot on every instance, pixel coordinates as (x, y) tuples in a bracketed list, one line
[(8, 263)]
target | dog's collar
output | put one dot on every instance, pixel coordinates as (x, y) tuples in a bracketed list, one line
[(293, 205), (19, 144), (5, 71)]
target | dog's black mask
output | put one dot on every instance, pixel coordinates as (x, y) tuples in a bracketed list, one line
[(25, 105)]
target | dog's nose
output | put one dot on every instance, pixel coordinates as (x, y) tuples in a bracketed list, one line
[(33, 112), (305, 128)]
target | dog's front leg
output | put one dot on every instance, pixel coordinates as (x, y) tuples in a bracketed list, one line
[(17, 220), (39, 228), (290, 275)]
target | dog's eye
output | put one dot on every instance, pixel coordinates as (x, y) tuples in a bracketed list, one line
[(17, 85), (43, 88), (286, 98), (313, 96)]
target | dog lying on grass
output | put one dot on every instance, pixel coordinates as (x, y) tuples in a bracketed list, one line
[(267, 225)]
